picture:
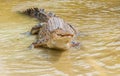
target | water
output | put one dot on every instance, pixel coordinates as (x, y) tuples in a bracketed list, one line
[(99, 26)]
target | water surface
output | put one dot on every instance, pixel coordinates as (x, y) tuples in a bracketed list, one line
[(97, 21)]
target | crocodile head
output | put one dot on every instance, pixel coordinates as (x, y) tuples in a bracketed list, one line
[(60, 39)]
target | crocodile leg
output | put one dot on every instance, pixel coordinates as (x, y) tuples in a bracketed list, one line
[(35, 45), (74, 44), (36, 28), (39, 43)]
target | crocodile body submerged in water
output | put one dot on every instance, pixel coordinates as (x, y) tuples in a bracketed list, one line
[(52, 31)]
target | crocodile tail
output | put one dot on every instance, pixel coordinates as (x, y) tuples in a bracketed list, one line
[(40, 14)]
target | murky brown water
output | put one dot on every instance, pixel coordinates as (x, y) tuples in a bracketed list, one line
[(98, 22)]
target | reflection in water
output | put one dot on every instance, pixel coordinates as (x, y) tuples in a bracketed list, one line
[(99, 26)]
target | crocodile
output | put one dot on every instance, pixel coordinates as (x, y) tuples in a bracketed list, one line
[(51, 31)]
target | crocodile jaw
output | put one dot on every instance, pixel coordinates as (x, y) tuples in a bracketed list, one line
[(60, 43)]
